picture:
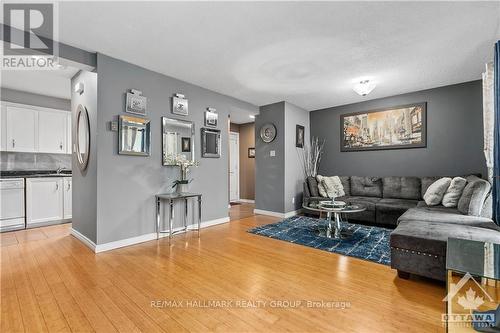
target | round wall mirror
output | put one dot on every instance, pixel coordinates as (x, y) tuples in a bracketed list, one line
[(82, 145)]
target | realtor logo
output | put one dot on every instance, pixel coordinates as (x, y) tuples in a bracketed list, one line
[(464, 300), (29, 32)]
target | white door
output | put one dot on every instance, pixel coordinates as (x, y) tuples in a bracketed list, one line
[(52, 134), (21, 129), (234, 166), (67, 183), (44, 199)]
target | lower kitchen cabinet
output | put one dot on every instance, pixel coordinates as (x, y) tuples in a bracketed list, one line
[(68, 184), (45, 200)]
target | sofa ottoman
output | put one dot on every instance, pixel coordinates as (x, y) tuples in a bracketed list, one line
[(420, 247)]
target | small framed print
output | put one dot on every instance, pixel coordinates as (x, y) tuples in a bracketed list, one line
[(186, 145), (180, 106), (136, 103), (211, 118), (251, 152), (299, 136)]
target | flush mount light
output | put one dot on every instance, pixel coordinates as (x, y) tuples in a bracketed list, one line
[(364, 87), (252, 116)]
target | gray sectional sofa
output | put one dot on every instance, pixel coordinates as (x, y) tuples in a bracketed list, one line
[(418, 243)]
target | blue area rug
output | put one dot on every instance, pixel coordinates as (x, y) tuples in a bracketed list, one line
[(366, 242)]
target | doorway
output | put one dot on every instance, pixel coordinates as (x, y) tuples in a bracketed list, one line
[(234, 166)]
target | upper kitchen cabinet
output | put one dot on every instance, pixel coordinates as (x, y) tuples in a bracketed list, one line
[(34, 129), (52, 136), (21, 129)]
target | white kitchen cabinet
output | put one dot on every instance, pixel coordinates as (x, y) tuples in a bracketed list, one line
[(3, 128), (44, 200), (52, 134), (21, 129), (67, 197)]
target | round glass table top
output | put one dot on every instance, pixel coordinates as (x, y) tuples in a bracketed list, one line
[(335, 207)]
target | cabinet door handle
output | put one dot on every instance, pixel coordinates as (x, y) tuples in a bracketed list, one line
[(69, 186), (57, 186), (61, 146), (13, 143)]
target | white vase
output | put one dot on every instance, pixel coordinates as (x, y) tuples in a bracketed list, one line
[(180, 188)]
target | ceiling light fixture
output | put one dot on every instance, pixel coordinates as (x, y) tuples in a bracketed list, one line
[(252, 116), (364, 87)]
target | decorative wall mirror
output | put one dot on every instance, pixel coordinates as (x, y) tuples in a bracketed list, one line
[(82, 146), (134, 136), (177, 140), (210, 143)]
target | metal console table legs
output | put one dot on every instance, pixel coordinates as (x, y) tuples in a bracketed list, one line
[(171, 198)]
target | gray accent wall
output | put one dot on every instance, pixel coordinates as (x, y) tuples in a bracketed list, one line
[(454, 136), (23, 97), (127, 185), (294, 175), (278, 185), (269, 170), (85, 197)]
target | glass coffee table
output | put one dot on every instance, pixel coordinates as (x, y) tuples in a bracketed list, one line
[(333, 209)]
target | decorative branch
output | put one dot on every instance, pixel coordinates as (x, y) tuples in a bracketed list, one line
[(310, 157)]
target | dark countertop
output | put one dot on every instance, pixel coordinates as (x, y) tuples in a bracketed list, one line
[(33, 174)]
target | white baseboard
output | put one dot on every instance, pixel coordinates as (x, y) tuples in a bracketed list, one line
[(276, 214), (138, 239), (87, 242), (246, 201)]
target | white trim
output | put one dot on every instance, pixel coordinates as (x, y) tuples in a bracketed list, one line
[(138, 239), (87, 242), (276, 214), (246, 201), (237, 135)]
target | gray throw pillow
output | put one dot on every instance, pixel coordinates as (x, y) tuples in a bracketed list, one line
[(434, 194), (454, 192), (313, 186), (475, 192)]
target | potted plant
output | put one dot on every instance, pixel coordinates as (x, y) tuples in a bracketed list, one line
[(181, 185)]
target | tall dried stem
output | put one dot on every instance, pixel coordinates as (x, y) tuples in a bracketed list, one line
[(310, 157)]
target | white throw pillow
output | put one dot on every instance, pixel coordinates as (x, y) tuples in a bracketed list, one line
[(454, 192), (321, 187), (332, 186), (434, 194)]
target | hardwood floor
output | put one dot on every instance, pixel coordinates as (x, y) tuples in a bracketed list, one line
[(52, 282), (241, 211)]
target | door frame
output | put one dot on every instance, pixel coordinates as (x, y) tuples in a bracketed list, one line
[(237, 135)]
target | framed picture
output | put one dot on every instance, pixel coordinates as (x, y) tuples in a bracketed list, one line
[(299, 136), (136, 103), (180, 106), (211, 118), (251, 152), (186, 145), (398, 127)]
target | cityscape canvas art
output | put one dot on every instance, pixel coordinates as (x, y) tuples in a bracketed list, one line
[(391, 128)]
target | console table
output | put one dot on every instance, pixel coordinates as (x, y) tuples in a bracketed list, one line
[(171, 198)]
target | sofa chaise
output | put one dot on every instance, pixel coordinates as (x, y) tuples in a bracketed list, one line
[(418, 243)]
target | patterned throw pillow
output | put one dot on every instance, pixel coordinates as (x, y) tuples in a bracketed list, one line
[(454, 192), (434, 194), (330, 187)]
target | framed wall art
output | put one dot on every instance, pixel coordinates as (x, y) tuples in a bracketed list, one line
[(397, 127), (135, 102), (186, 145), (299, 136), (180, 105), (251, 152), (211, 117)]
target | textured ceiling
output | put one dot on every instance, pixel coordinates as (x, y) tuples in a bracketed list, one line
[(306, 53)]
